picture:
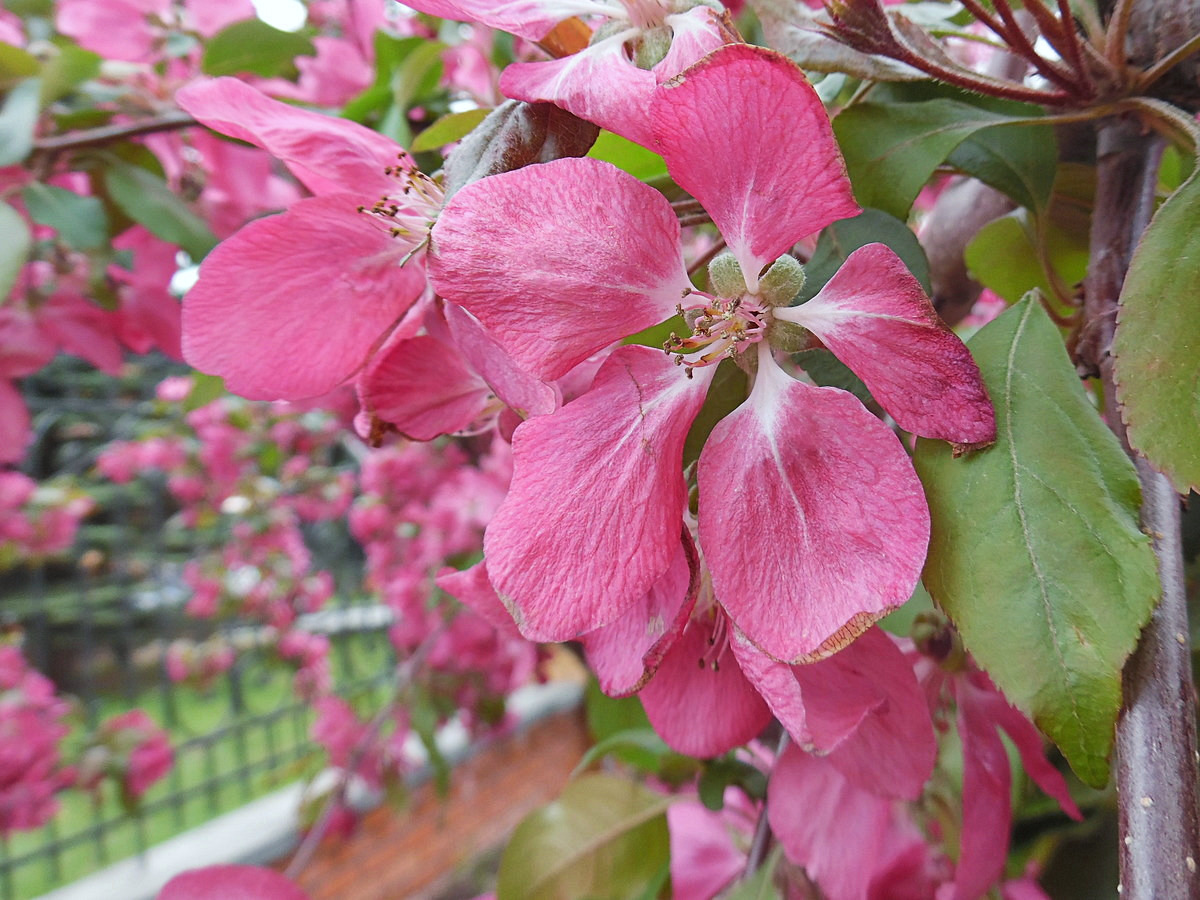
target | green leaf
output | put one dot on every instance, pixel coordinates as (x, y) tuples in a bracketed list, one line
[(641, 747), (892, 149), (1035, 550), (256, 47), (870, 226), (147, 199), (608, 716), (1004, 256), (79, 220), (70, 67), (1018, 161), (18, 117), (16, 64), (448, 129), (632, 158), (604, 837), (1157, 342), (205, 389), (14, 249)]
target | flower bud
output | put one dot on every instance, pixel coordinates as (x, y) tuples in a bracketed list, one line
[(783, 281), (652, 47), (787, 336), (725, 276)]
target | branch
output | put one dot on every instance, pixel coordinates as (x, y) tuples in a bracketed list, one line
[(108, 134), (1156, 765)]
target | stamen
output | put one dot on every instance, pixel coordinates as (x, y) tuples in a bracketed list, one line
[(720, 329)]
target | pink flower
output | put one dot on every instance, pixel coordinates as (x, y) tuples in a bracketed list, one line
[(811, 518), (140, 750), (324, 281), (602, 82), (950, 678)]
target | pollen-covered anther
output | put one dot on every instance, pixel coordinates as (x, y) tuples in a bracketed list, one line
[(409, 216), (720, 329)]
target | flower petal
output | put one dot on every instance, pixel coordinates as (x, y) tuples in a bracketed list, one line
[(513, 385), (424, 388), (325, 152), (874, 316), (703, 710), (292, 305), (599, 84), (744, 133), (625, 653), (889, 750), (560, 259), (850, 841), (473, 589), (861, 707), (593, 515), (532, 19), (811, 517)]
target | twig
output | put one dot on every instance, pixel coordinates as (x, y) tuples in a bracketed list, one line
[(708, 257), (761, 842), (108, 134), (1168, 62)]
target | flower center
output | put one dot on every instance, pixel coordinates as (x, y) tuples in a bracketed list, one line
[(409, 214), (721, 329)]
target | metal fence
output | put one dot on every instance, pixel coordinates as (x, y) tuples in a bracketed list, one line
[(99, 628)]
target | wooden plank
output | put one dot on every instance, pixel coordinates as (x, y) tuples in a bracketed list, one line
[(415, 853)]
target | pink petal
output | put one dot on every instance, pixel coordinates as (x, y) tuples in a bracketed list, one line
[(472, 588), (532, 19), (1027, 739), (987, 805), (694, 34), (704, 858), (85, 330), (891, 749), (744, 133), (514, 386), (699, 708), (292, 305), (593, 516), (560, 259), (777, 685), (811, 517), (874, 316), (599, 84), (625, 653), (326, 153), (838, 832), (231, 883), (861, 707), (15, 433), (424, 388)]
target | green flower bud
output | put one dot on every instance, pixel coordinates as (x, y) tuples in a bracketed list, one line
[(725, 276), (652, 47), (783, 281), (787, 336)]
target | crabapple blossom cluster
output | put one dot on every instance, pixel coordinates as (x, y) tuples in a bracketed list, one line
[(32, 728), (131, 749), (636, 372), (37, 763), (37, 520)]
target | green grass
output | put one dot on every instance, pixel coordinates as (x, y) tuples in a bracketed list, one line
[(268, 741)]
